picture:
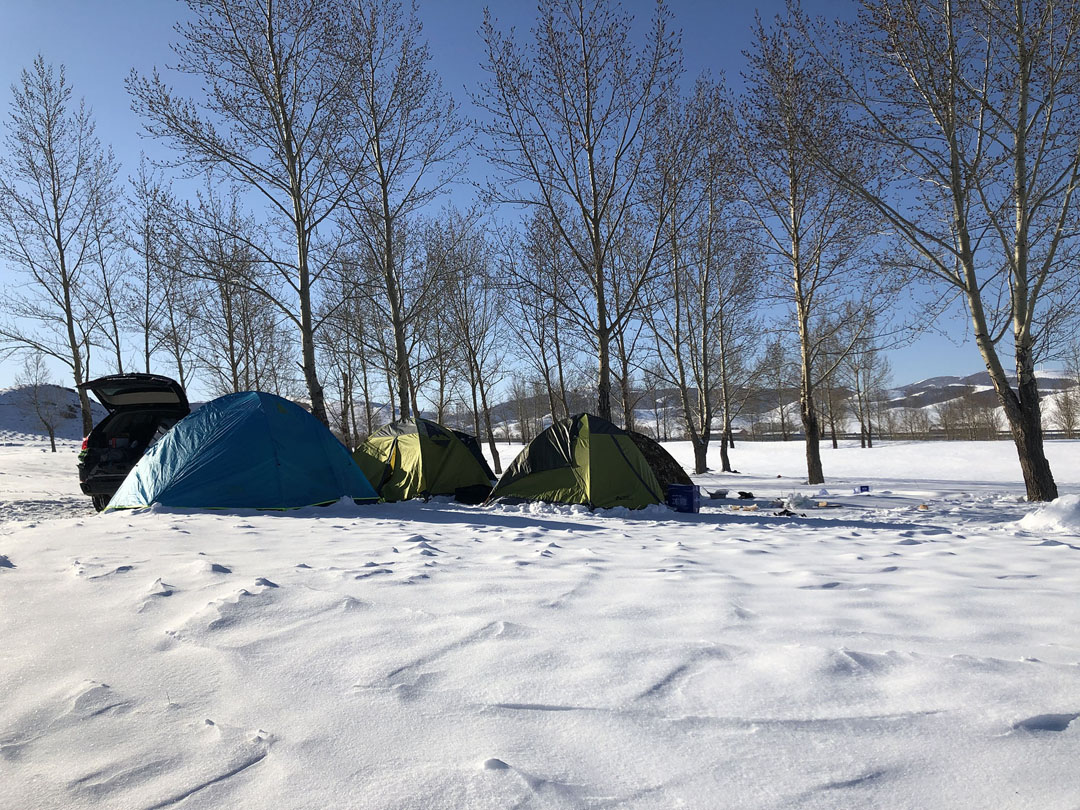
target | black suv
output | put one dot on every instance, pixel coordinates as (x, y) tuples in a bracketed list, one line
[(142, 408)]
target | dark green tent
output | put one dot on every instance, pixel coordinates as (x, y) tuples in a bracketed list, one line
[(474, 447), (585, 460), (418, 458), (666, 469)]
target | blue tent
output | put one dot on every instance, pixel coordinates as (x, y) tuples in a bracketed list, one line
[(246, 450)]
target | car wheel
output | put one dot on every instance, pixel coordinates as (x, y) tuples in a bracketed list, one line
[(100, 501)]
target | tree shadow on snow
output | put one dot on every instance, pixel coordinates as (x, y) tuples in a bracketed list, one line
[(434, 512)]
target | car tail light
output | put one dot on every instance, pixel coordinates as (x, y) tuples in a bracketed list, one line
[(85, 442)]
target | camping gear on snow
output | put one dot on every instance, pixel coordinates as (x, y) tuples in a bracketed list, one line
[(142, 408), (414, 458), (245, 450), (683, 498), (583, 460)]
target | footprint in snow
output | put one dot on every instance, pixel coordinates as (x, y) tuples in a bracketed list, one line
[(372, 572), (5, 562), (1046, 722), (872, 776), (74, 706), (80, 570)]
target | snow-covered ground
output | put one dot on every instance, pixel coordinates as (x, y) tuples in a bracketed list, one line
[(914, 647)]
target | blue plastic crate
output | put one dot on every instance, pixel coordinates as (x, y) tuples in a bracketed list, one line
[(684, 498)]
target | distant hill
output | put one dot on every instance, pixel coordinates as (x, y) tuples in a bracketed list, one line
[(660, 411), (19, 423)]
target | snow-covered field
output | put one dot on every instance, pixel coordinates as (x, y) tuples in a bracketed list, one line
[(874, 653)]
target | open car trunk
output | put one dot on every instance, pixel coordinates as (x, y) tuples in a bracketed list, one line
[(117, 444), (142, 409), (119, 392)]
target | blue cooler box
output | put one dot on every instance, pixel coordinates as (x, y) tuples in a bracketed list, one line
[(683, 498)]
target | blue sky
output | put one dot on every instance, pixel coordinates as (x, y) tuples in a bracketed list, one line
[(100, 41)]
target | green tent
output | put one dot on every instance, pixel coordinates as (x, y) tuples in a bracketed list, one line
[(417, 458), (583, 459)]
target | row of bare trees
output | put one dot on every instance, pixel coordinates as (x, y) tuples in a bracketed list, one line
[(674, 235)]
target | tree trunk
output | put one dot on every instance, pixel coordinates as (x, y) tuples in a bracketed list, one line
[(807, 411), (401, 365), (627, 407), (783, 411), (346, 407), (559, 369), (603, 384), (307, 330), (475, 403), (1025, 423), (812, 430), (701, 452), (1028, 437), (496, 462)]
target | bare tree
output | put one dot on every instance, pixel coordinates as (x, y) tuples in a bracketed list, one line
[(407, 144), (438, 371), (46, 398), (273, 120), (111, 263), (815, 231), (569, 129), (974, 107), (1066, 411), (778, 375), (702, 308), (916, 422), (176, 331), (864, 369), (150, 208), (53, 176), (233, 299), (535, 271), (477, 309)]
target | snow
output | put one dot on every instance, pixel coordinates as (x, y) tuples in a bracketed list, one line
[(1062, 515), (915, 646)]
